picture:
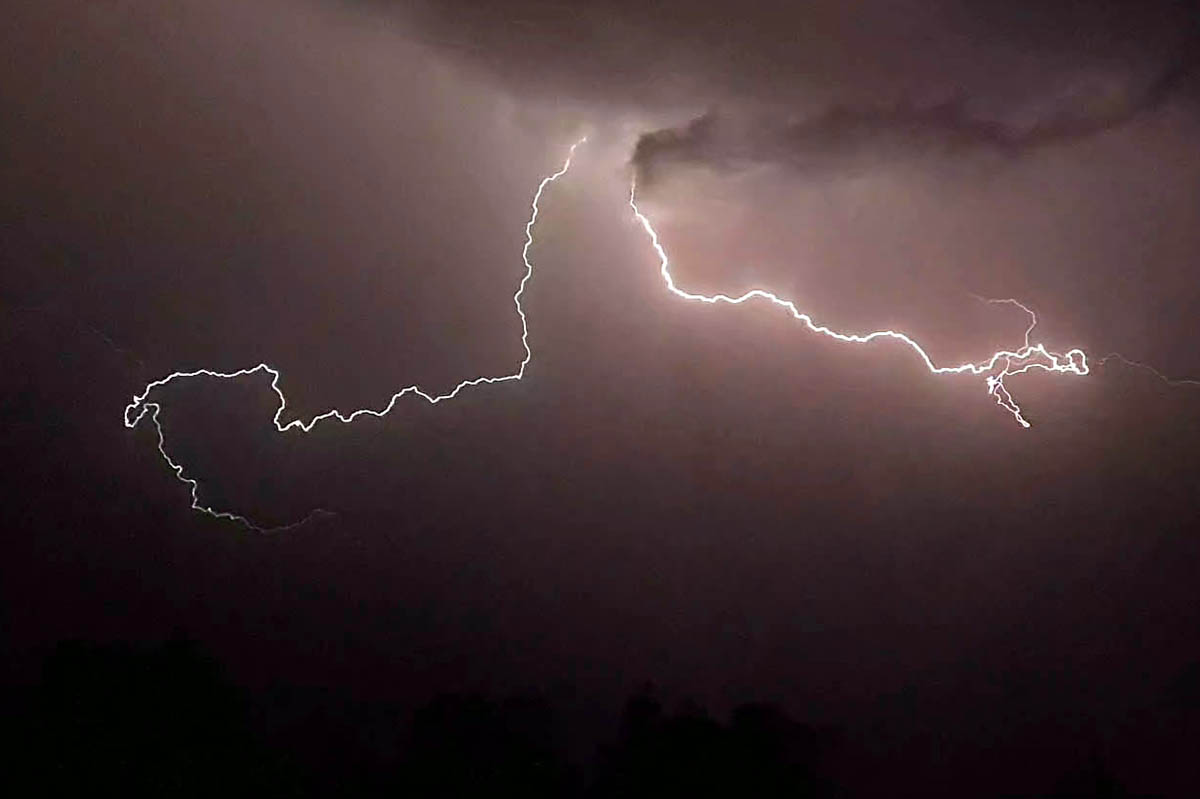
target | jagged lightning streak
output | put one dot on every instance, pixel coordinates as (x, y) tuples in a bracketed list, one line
[(141, 407), (1170, 381), (1174, 382), (1002, 364)]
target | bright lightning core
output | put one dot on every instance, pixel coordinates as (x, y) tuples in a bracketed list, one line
[(998, 366)]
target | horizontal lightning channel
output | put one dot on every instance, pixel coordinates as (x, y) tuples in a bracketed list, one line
[(1000, 365), (142, 408)]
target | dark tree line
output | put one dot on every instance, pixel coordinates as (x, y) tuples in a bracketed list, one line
[(164, 721)]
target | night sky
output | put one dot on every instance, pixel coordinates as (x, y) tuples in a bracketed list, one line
[(706, 498)]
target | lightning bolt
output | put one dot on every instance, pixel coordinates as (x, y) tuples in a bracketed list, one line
[(1000, 365), (994, 369), (142, 407)]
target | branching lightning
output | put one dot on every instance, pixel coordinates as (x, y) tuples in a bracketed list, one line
[(995, 369), (141, 407), (1001, 364)]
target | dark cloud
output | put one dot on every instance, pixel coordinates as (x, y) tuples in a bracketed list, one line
[(847, 139), (810, 55)]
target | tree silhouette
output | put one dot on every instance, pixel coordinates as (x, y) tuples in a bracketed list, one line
[(471, 746), (761, 753), (135, 721)]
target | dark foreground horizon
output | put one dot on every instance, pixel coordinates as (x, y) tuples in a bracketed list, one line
[(165, 719)]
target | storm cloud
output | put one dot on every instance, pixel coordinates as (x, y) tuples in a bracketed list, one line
[(847, 139), (808, 57)]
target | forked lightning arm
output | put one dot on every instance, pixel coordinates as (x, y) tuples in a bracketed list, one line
[(1000, 365), (141, 407), (997, 367)]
